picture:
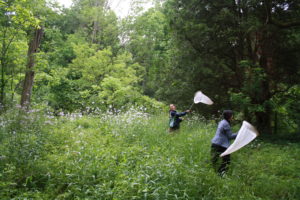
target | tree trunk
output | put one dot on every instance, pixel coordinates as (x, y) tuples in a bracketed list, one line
[(2, 88), (29, 75), (3, 66), (265, 54), (263, 120)]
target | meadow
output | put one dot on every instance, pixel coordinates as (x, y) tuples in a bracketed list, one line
[(132, 156)]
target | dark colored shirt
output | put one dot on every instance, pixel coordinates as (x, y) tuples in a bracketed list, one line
[(177, 115)]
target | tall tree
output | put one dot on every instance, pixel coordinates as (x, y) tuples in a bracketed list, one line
[(29, 75), (15, 18), (97, 23), (35, 34)]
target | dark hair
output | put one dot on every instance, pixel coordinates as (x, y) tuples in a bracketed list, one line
[(227, 114)]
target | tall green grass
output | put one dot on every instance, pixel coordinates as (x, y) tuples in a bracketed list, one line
[(133, 156)]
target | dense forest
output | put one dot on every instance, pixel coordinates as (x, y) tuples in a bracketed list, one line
[(80, 83)]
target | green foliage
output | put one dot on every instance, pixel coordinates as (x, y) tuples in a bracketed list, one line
[(97, 23), (17, 14), (65, 95), (23, 145), (149, 43), (287, 111), (96, 79), (15, 19), (227, 49), (132, 156)]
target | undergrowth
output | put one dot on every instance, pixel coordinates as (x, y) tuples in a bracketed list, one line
[(133, 156)]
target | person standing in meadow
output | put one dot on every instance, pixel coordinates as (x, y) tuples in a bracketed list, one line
[(175, 118), (221, 142)]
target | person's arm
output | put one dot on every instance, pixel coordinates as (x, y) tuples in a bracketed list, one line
[(177, 114), (227, 131), (181, 114)]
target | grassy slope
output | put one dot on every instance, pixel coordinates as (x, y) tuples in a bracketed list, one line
[(132, 157)]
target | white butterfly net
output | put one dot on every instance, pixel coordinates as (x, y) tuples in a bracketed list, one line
[(246, 134), (200, 97)]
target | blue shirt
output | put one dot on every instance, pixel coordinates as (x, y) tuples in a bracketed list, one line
[(223, 134)]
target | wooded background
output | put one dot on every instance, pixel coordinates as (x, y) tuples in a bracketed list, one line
[(245, 55)]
